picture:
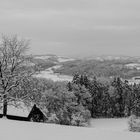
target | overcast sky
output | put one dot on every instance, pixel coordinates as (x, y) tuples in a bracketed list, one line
[(74, 27)]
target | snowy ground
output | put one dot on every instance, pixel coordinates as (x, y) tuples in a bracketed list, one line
[(49, 74), (53, 76), (110, 124), (103, 129), (59, 58)]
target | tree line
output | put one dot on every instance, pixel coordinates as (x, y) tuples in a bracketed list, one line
[(116, 98)]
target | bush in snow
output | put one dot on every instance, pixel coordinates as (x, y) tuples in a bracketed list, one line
[(134, 123), (52, 118), (81, 118)]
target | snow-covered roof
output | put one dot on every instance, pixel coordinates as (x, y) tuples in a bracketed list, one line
[(17, 109)]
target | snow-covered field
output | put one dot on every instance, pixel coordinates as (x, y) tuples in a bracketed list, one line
[(54, 77), (110, 124), (102, 129), (62, 59), (49, 74), (59, 58)]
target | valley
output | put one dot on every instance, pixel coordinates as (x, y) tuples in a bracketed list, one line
[(59, 68)]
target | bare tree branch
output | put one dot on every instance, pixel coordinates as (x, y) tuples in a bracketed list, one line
[(13, 67)]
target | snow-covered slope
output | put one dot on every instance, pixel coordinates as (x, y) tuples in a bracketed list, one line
[(43, 57), (110, 124), (133, 66), (54, 58), (49, 74), (64, 59), (15, 130)]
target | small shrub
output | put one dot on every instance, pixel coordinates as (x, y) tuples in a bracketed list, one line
[(134, 123), (53, 119), (81, 118)]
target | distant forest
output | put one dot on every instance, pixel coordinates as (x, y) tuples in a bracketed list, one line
[(106, 68)]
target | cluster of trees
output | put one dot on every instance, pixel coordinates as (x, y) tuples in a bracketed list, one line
[(109, 99), (59, 105), (18, 83)]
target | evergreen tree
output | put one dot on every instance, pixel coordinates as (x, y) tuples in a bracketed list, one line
[(69, 86), (76, 79), (95, 95), (128, 98), (118, 97), (136, 100)]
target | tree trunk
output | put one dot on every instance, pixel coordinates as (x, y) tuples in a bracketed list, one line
[(5, 106)]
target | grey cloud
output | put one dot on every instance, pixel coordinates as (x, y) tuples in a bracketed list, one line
[(67, 26)]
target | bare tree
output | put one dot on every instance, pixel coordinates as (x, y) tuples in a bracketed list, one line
[(13, 67)]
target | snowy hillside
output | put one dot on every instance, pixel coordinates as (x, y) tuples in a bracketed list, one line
[(55, 58), (16, 130), (133, 66), (49, 74), (49, 63), (119, 124)]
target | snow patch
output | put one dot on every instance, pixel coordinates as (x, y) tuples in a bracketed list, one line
[(42, 57), (62, 59), (49, 74)]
